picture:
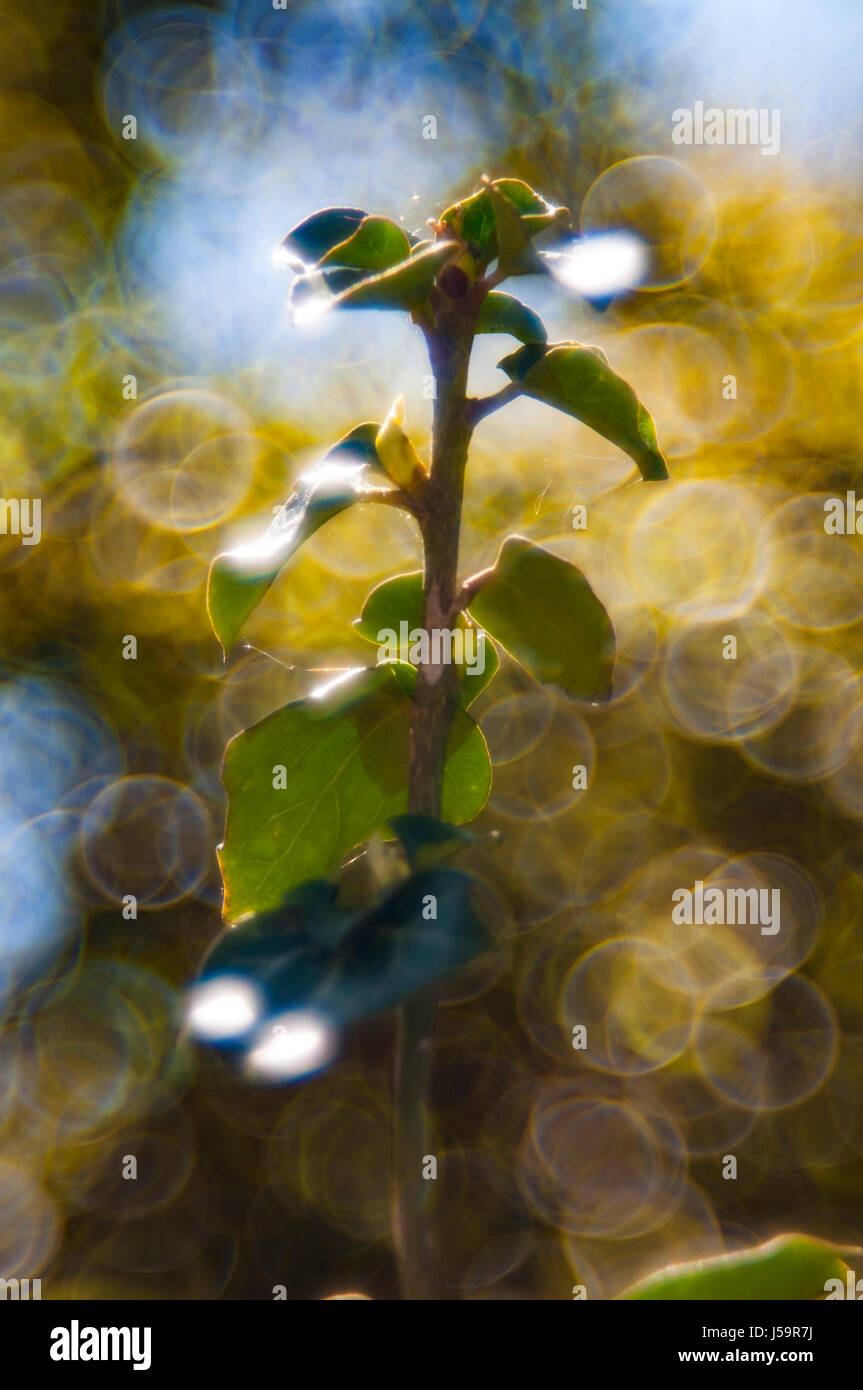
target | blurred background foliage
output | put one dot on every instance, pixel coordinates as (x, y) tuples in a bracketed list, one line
[(152, 258)]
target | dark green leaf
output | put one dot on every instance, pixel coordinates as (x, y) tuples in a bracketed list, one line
[(364, 961), (376, 245), (311, 907), (501, 313), (518, 363), (239, 578), (405, 286), (425, 927), (789, 1267), (400, 600), (345, 751), (358, 443), (544, 612), (427, 841), (579, 381), (306, 243)]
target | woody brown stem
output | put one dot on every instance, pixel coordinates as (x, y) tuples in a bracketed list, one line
[(434, 706)]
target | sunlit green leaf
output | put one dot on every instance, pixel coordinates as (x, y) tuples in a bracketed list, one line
[(473, 219), (789, 1267), (515, 254), (400, 600), (376, 245), (240, 578), (579, 381), (502, 313), (528, 203), (395, 600), (312, 238), (544, 612), (405, 286), (345, 755)]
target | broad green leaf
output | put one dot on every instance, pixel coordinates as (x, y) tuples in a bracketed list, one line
[(501, 313), (392, 601), (239, 578), (544, 612), (579, 381), (405, 286), (515, 254), (376, 245), (309, 953), (312, 238), (473, 219), (426, 841), (789, 1267), (400, 601), (345, 754)]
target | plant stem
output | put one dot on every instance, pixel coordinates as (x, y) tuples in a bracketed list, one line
[(414, 1257), (434, 707)]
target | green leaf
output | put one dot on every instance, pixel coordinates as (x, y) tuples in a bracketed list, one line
[(579, 381), (400, 600), (789, 1267), (365, 960), (405, 286), (527, 202), (376, 245), (345, 751), (518, 363), (312, 238), (426, 841), (544, 612), (239, 578), (473, 219), (323, 284), (311, 907), (501, 313), (397, 948), (395, 600), (358, 443), (515, 254)]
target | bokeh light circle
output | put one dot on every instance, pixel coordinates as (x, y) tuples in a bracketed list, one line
[(661, 202)]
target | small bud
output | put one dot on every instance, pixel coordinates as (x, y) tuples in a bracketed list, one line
[(397, 454)]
